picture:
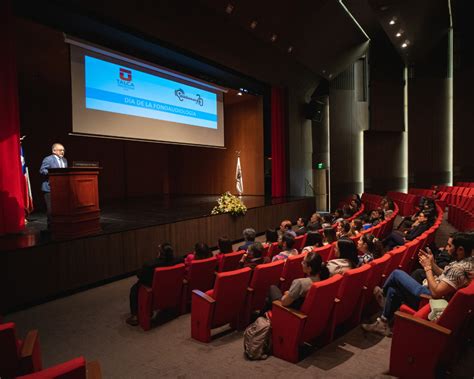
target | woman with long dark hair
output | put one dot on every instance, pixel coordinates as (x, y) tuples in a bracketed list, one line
[(346, 257)]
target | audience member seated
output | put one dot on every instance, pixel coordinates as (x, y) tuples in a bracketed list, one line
[(346, 255), (338, 216), (285, 228), (253, 256), (344, 229), (316, 221), (356, 226), (369, 248), (271, 236), (313, 241), (225, 246), (356, 198), (164, 258), (421, 225), (442, 259), (249, 238), (201, 251), (315, 270), (376, 217), (329, 235), (327, 221), (287, 248), (348, 211), (387, 206), (301, 226), (400, 288)]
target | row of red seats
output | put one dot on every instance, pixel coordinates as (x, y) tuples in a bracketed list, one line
[(461, 215), (371, 201), (22, 359), (405, 201), (419, 347), (465, 184), (339, 300), (171, 291)]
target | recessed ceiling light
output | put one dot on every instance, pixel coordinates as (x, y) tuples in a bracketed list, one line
[(229, 8), (404, 45), (253, 24), (239, 93), (290, 49), (392, 22), (273, 37), (398, 35)]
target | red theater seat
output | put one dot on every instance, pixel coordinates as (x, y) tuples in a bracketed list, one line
[(325, 251), (299, 242), (394, 263), (291, 328), (349, 295), (166, 293), (201, 276), (263, 277), (219, 306), (420, 346), (292, 270), (73, 369), (231, 261), (18, 357)]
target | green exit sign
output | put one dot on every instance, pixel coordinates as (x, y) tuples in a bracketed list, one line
[(320, 165)]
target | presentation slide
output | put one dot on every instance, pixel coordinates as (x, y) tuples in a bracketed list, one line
[(120, 97), (121, 89)]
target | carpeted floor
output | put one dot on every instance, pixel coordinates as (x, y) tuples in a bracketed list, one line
[(92, 323)]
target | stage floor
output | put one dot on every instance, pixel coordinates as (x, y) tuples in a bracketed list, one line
[(134, 214)]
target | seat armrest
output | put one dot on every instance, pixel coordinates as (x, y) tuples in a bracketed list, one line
[(30, 354), (298, 314), (203, 296), (93, 370), (423, 323)]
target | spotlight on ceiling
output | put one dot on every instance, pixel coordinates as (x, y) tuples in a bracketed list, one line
[(253, 24), (404, 45), (392, 21), (273, 37), (229, 8), (239, 93), (290, 49), (398, 35)]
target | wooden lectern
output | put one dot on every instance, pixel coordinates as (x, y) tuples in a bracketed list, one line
[(75, 208)]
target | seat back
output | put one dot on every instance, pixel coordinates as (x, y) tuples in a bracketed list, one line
[(459, 311), (231, 261), (202, 274), (229, 294), (318, 306), (167, 286), (350, 291), (73, 369), (397, 255), (264, 276), (9, 350), (292, 270), (273, 250), (412, 248), (299, 242), (379, 266), (324, 251)]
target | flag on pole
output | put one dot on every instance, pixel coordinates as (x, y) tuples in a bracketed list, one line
[(28, 197), (238, 177)]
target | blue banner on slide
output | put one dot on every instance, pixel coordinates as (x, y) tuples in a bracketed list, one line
[(119, 89)]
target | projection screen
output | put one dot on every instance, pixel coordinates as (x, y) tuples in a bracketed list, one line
[(120, 97)]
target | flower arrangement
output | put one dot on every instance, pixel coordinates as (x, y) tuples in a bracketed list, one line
[(229, 203)]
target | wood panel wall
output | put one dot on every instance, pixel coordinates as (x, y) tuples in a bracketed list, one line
[(40, 273)]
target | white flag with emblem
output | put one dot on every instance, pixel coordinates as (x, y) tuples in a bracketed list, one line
[(238, 177)]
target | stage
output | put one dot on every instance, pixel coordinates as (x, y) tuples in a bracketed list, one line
[(39, 269)]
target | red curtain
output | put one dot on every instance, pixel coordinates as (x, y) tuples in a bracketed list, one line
[(12, 216), (279, 142)]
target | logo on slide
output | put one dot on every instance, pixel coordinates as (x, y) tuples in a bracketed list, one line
[(125, 79), (181, 95)]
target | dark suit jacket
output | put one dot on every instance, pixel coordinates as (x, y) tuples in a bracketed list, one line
[(300, 231), (245, 246), (49, 162), (145, 274), (417, 231)]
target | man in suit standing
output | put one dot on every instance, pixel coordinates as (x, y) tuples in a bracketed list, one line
[(55, 160)]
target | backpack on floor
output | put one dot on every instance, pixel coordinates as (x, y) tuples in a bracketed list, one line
[(257, 339)]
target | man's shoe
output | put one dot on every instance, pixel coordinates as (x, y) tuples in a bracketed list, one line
[(379, 327), (379, 297), (132, 320)]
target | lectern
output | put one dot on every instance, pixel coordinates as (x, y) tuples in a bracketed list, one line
[(75, 208)]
